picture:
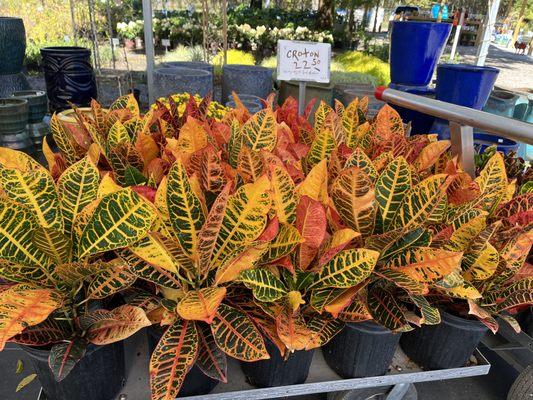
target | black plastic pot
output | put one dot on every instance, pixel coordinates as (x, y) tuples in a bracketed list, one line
[(361, 349), (446, 345), (100, 374), (276, 371), (12, 48), (196, 382), (69, 76)]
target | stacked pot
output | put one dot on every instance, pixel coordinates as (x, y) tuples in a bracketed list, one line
[(37, 108), (246, 79), (13, 121), (195, 78)]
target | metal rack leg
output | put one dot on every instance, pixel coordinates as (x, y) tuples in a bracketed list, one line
[(462, 138)]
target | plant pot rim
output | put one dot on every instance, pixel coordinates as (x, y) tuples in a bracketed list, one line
[(10, 102), (460, 322), (503, 95), (467, 67), (171, 64), (40, 352), (427, 23), (182, 71), (65, 49), (369, 326), (66, 115), (246, 67), (497, 140), (12, 18)]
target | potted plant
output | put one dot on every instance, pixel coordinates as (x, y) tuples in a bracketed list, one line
[(54, 236)]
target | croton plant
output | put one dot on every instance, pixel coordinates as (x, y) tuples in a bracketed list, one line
[(228, 231)]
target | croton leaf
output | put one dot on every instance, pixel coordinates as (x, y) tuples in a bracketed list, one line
[(462, 237), (14, 159), (172, 358), (518, 211), (292, 330), (430, 315), (360, 160), (202, 304), (240, 260), (234, 143), (481, 259), (149, 272), (316, 183), (321, 115), (423, 203), (244, 219), (350, 122), (110, 280), (311, 222), (20, 273), (116, 325), (237, 336), (426, 264), (322, 329), (385, 310), (516, 294), (77, 187), (321, 148), (357, 311), (337, 242), (250, 165), (284, 199), (53, 243), (354, 198), (211, 360), (65, 141), (264, 284), (259, 131), (492, 182), (25, 305), (283, 244), (47, 332), (184, 207), (117, 134), (419, 237), (320, 298), (127, 102), (391, 186), (212, 174), (119, 220), (402, 280), (346, 269), (64, 357), (430, 154)]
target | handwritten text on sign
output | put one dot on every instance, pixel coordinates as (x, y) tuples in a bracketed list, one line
[(303, 61)]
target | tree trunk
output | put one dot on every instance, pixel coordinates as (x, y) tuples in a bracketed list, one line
[(351, 13), (256, 4), (325, 15), (518, 23), (376, 16)]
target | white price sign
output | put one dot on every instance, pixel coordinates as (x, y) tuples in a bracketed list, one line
[(303, 61)]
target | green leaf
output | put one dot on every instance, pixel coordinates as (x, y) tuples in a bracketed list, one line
[(25, 382), (264, 284), (20, 367), (64, 357), (385, 310)]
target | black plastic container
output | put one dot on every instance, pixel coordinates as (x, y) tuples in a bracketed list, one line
[(100, 375), (361, 349), (446, 345), (69, 77), (196, 382), (276, 371)]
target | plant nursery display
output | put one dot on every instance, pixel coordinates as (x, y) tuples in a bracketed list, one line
[(262, 237)]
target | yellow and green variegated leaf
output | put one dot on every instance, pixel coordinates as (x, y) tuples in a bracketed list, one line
[(237, 336), (346, 269), (259, 132), (125, 159), (360, 160), (357, 311), (234, 143), (172, 358), (185, 208), (315, 184), (353, 196), (423, 203), (492, 182), (127, 102), (321, 115), (241, 259), (202, 304), (481, 259), (149, 272), (350, 122), (24, 305), (165, 253), (263, 283), (119, 220), (112, 279), (284, 196), (77, 187), (463, 236), (516, 294), (55, 244), (249, 164), (211, 360), (17, 224), (337, 242), (321, 148), (430, 315), (37, 191), (117, 134), (320, 298), (116, 325), (419, 237), (283, 244), (64, 140), (244, 219), (74, 273), (426, 264), (14, 159), (403, 281), (19, 273), (391, 187), (430, 154), (207, 236), (212, 173), (463, 291), (108, 186), (385, 310), (292, 330), (322, 330), (361, 137)]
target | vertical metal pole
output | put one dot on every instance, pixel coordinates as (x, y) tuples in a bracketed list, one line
[(462, 138), (149, 47), (225, 29), (457, 34), (483, 48), (110, 28), (301, 97)]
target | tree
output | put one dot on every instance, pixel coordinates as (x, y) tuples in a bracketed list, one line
[(256, 4), (518, 23), (325, 15)]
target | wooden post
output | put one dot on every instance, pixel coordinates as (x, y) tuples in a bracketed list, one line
[(110, 28), (225, 29), (96, 54), (73, 21)]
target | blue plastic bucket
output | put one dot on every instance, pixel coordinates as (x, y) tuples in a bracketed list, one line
[(484, 140), (420, 122)]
